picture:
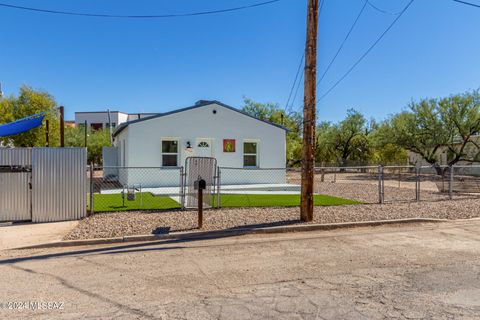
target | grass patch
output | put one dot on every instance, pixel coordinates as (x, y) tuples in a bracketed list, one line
[(278, 200), (113, 202)]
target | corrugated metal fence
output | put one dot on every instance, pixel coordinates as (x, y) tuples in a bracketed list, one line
[(15, 195), (55, 189)]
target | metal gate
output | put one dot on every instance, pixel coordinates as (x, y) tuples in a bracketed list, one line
[(43, 184), (200, 168), (15, 179)]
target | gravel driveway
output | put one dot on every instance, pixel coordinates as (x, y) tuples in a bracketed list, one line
[(135, 223)]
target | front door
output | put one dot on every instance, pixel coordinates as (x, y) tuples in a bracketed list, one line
[(203, 148)]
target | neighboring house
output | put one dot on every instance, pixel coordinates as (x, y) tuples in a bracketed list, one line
[(443, 158), (99, 119), (207, 129)]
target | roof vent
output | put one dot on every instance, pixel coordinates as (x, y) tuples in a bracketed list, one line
[(199, 102)]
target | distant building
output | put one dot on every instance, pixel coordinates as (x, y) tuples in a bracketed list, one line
[(99, 119)]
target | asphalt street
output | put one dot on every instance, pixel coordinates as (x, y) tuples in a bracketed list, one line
[(411, 271)]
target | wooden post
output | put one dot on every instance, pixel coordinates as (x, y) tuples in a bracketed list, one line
[(62, 126), (200, 208), (309, 118), (47, 129), (85, 133)]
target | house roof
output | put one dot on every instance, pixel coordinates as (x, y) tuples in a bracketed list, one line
[(199, 104)]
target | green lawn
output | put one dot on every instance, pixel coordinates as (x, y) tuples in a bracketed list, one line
[(113, 202), (278, 200)]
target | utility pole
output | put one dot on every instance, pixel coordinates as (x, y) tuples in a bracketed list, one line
[(62, 126), (309, 118)]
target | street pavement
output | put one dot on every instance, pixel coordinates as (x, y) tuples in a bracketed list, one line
[(410, 271)]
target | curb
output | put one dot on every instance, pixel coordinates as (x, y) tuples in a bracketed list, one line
[(229, 232)]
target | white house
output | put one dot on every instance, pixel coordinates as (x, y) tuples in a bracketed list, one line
[(209, 129)]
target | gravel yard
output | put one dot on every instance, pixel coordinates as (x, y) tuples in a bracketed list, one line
[(135, 223)]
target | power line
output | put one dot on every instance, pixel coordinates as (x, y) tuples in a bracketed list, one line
[(383, 11), (296, 91), (294, 81), (343, 43), (366, 52), (189, 14), (468, 3), (299, 68)]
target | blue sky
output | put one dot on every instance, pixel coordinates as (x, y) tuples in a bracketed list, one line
[(159, 65)]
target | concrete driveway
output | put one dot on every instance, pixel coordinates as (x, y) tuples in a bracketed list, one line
[(427, 271), (28, 234)]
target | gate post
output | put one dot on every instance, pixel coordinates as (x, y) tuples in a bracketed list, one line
[(218, 187), (417, 183), (182, 188), (450, 183), (381, 193), (91, 188)]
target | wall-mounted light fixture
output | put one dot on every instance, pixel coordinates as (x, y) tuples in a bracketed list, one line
[(189, 146)]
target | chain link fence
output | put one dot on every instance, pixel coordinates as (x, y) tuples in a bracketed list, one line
[(135, 188), (144, 188)]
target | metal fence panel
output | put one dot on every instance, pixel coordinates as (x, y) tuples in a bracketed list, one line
[(151, 188), (206, 169), (59, 184), (465, 181), (15, 196), (14, 187), (15, 156), (352, 183)]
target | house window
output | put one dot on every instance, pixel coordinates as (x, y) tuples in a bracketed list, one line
[(96, 126), (170, 153), (250, 154), (203, 144)]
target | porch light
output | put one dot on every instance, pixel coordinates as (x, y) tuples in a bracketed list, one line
[(189, 146)]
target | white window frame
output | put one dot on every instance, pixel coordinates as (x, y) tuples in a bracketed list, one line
[(256, 154), (170, 153)]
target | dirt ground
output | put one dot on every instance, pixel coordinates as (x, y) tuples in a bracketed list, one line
[(28, 234), (427, 271)]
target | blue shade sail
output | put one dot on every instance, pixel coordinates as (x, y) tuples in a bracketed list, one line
[(21, 125)]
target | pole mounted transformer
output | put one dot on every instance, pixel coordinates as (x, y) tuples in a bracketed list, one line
[(309, 117)]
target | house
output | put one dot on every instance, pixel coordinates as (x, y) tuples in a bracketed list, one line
[(100, 119), (237, 140)]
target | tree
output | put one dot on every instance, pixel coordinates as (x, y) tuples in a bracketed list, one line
[(325, 152), (96, 140), (460, 114), (385, 151), (349, 138), (434, 125), (292, 122), (30, 102), (420, 130)]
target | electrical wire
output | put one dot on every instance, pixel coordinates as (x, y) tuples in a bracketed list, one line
[(468, 3), (366, 52), (343, 42), (158, 16), (383, 11), (301, 61), (296, 91), (294, 82)]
